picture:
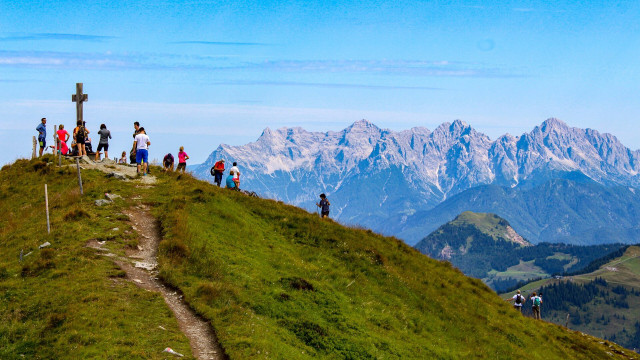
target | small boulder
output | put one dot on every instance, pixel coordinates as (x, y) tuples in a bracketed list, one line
[(101, 202)]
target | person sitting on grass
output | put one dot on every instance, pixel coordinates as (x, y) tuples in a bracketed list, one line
[(230, 183), (123, 158)]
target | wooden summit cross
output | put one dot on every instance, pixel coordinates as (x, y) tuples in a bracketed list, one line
[(79, 98)]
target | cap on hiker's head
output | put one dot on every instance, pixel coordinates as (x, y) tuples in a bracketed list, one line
[(222, 160), (323, 195)]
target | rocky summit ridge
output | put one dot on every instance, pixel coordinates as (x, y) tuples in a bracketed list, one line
[(371, 173)]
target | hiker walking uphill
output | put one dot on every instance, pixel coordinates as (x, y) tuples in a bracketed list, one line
[(518, 301), (142, 154), (537, 303), (324, 206), (217, 171), (42, 134)]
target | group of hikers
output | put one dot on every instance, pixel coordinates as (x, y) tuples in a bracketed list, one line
[(81, 144), (80, 140), (536, 302), (139, 154)]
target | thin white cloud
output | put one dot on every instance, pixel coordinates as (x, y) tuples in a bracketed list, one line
[(223, 63), (57, 36)]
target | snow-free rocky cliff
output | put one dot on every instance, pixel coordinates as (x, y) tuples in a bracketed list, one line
[(379, 178)]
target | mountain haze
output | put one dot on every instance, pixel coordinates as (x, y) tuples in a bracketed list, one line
[(372, 174)]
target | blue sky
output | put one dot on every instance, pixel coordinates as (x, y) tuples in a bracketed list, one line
[(201, 73)]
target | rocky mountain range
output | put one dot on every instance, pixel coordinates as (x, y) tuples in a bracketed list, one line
[(387, 180)]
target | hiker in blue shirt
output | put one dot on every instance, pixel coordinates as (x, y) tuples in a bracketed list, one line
[(324, 206), (42, 134), (230, 183)]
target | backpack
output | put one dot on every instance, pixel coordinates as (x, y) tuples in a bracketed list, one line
[(519, 299), (536, 301)]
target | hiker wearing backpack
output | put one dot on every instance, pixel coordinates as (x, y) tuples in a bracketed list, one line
[(518, 301), (217, 171), (537, 302), (79, 134)]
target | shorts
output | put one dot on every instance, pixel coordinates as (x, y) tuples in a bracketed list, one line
[(168, 164), (42, 142), (325, 213), (142, 155), (181, 166), (103, 146)]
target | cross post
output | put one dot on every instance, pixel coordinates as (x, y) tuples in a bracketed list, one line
[(79, 98)]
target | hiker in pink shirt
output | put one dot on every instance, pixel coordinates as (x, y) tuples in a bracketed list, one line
[(63, 136), (182, 160)]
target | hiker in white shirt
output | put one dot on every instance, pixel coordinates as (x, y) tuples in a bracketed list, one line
[(142, 153), (518, 301)]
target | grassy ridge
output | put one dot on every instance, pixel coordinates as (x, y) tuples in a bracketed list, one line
[(278, 282), (65, 301)]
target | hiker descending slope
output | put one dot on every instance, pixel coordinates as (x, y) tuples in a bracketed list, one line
[(518, 301), (537, 302)]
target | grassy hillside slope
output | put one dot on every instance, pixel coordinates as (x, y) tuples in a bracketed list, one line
[(274, 280), (604, 302), (65, 301)]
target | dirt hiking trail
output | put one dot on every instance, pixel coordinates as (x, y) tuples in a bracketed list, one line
[(203, 341)]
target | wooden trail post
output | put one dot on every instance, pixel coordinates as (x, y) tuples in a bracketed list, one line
[(79, 98), (46, 204), (79, 176), (33, 156), (55, 141)]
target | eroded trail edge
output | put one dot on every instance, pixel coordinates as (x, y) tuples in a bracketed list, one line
[(203, 341)]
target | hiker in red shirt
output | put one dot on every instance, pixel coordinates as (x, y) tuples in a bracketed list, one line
[(217, 171)]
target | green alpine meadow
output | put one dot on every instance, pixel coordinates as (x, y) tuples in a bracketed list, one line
[(273, 281)]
